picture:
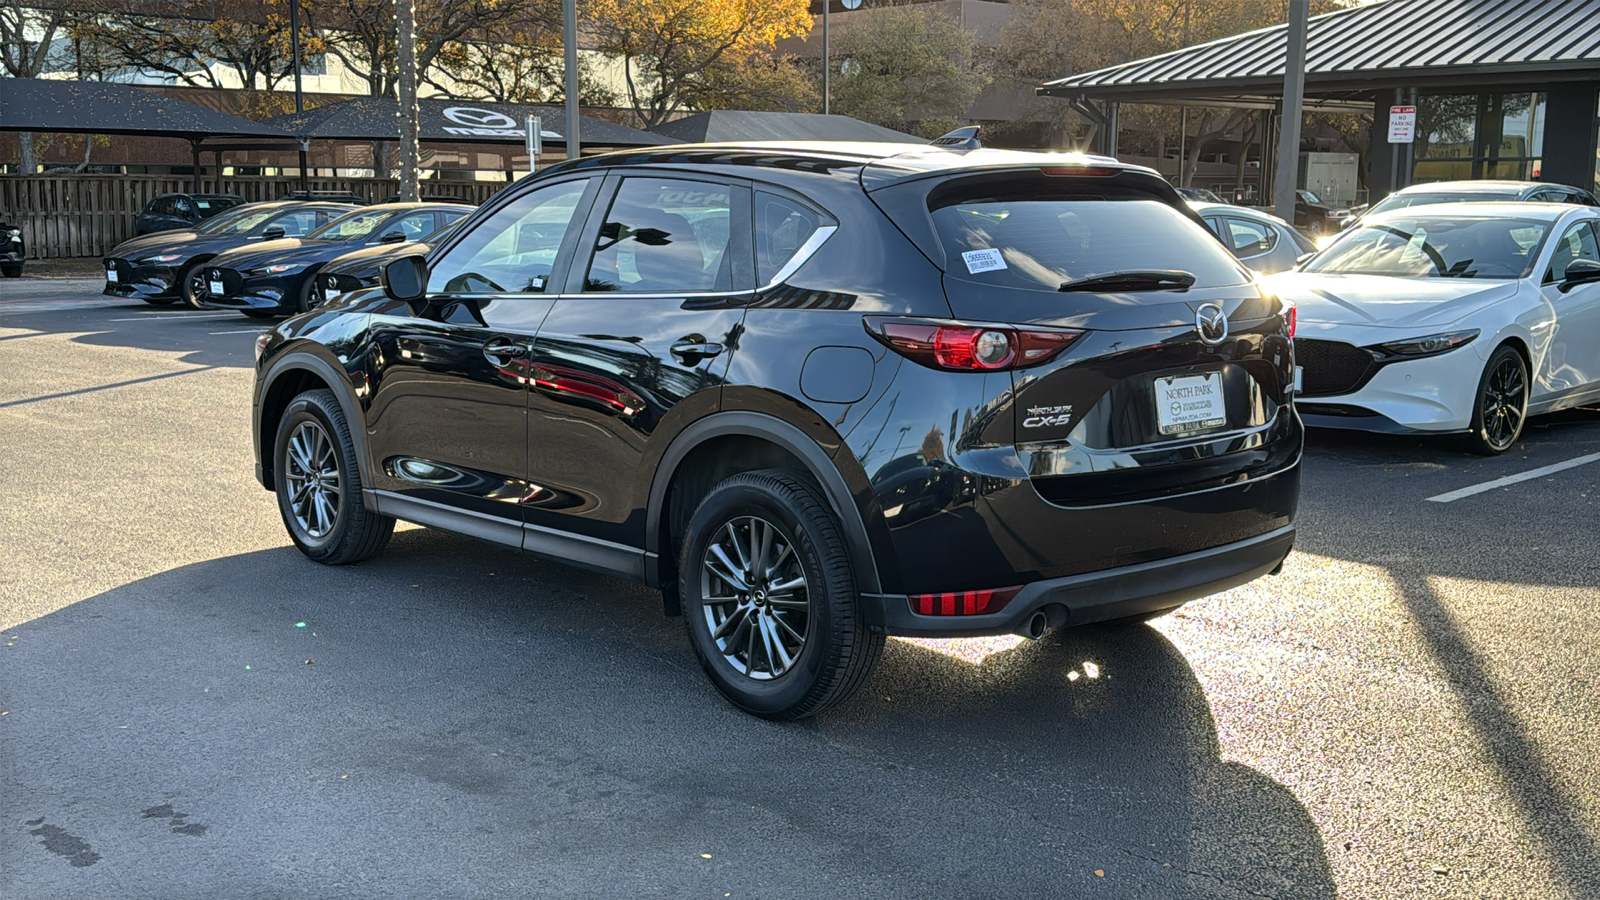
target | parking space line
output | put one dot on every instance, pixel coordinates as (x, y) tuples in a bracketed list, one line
[(1513, 479), (148, 316)]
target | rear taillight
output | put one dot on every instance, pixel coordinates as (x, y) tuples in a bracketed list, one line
[(1291, 317), (970, 348), (963, 603)]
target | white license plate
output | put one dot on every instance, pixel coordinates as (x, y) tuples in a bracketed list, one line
[(1187, 403), (216, 288), (332, 293), (111, 276), (1299, 379)]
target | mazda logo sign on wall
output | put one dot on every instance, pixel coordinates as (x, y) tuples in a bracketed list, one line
[(472, 117), (1212, 323)]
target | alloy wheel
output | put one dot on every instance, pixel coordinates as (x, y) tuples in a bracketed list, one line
[(314, 481), (755, 599), (1504, 399)]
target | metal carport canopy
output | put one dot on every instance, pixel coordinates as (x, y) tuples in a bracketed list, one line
[(1425, 44), (96, 107), (455, 121)]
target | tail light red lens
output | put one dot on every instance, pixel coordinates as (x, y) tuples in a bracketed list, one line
[(970, 348), (963, 603), (1292, 315)]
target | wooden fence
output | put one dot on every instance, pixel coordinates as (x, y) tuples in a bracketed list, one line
[(87, 215)]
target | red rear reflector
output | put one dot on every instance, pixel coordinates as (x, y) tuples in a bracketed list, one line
[(963, 603), (1293, 317)]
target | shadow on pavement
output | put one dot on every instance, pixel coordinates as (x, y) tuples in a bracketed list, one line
[(455, 720), (116, 322)]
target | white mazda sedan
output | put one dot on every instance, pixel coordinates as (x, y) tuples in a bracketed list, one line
[(1465, 318)]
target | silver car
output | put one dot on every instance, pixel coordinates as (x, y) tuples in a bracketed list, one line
[(1261, 241)]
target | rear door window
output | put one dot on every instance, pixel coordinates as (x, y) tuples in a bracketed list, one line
[(1039, 243), (1247, 238), (665, 235)]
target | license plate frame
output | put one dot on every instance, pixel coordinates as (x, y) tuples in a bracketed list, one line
[(215, 287), (1186, 404)]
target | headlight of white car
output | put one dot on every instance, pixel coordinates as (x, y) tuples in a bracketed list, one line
[(1431, 345), (278, 269)]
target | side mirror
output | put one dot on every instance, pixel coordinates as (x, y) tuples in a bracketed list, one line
[(273, 233), (1580, 271), (406, 279), (393, 237)]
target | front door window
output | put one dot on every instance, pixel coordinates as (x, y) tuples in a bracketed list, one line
[(516, 249)]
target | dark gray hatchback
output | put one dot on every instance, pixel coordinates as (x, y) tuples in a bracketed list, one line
[(818, 394)]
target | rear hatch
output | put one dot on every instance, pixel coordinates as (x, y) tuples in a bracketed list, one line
[(1141, 404)]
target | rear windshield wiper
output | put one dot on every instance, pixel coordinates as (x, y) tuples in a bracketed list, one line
[(1140, 280)]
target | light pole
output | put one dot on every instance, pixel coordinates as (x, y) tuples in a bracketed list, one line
[(299, 97), (405, 13), (1294, 89), (569, 41), (827, 52)]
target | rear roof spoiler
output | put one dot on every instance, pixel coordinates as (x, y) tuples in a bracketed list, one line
[(965, 138)]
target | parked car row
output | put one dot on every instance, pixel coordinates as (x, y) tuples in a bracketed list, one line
[(262, 258)]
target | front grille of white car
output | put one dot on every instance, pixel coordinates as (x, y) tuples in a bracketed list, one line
[(1332, 367)]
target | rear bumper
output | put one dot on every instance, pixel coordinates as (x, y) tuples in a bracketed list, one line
[(1101, 596)]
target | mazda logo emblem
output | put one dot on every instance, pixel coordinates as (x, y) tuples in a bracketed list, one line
[(1212, 323), (479, 118)]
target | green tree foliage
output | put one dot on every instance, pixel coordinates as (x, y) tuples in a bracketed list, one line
[(201, 42), (696, 54), (908, 67)]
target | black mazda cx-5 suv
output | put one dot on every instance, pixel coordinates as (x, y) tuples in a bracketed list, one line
[(817, 394)]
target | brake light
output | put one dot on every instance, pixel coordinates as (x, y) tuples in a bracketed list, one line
[(963, 603), (970, 348), (1080, 170), (1292, 315)]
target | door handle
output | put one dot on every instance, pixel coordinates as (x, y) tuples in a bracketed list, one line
[(696, 346), (496, 352)]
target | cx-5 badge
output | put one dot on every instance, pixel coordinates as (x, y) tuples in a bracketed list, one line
[(1212, 323)]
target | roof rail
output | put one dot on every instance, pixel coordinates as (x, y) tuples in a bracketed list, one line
[(965, 138)]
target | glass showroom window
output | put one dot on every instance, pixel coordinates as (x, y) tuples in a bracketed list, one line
[(1463, 136)]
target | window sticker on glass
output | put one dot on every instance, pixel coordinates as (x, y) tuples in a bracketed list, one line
[(983, 261)]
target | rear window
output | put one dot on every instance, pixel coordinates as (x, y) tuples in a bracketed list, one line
[(1040, 243)]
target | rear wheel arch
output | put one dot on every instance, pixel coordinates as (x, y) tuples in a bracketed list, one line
[(725, 444), (289, 378)]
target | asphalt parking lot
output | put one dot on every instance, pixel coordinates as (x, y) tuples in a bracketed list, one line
[(188, 708)]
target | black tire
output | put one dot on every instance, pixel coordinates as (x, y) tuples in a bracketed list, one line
[(13, 270), (353, 533), (1501, 407), (309, 297), (836, 650), (191, 284)]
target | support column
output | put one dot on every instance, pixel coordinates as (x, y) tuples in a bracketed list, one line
[(1569, 134), (1113, 126), (1294, 91), (1380, 153)]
